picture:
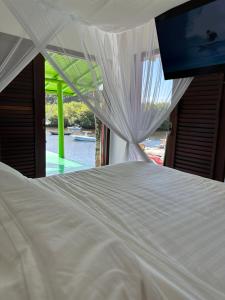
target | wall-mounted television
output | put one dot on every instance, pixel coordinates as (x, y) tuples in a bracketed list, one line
[(192, 38)]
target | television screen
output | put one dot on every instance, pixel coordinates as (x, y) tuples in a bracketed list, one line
[(192, 38)]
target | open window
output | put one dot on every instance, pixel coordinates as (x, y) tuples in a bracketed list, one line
[(75, 137)]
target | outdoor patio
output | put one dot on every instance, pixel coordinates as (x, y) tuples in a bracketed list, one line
[(56, 165)]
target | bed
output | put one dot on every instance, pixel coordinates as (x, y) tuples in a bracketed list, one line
[(128, 231)]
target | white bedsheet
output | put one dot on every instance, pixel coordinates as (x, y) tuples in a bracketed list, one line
[(172, 221), (130, 231), (51, 249)]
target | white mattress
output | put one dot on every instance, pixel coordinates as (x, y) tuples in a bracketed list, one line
[(129, 231)]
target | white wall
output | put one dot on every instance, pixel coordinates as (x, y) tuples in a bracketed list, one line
[(117, 149)]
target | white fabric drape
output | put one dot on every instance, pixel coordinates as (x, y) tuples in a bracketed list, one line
[(16, 51), (136, 99), (15, 54), (129, 93), (18, 46)]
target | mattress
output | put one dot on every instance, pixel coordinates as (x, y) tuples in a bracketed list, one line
[(128, 231), (174, 222)]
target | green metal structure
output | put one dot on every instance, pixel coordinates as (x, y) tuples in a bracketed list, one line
[(76, 68), (60, 119)]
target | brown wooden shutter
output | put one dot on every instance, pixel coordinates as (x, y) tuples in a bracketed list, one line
[(105, 144), (22, 112), (194, 145)]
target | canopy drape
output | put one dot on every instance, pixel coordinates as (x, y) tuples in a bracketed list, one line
[(15, 53), (128, 91), (136, 98)]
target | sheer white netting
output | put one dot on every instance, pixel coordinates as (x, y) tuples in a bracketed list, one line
[(135, 99), (16, 50), (18, 45), (126, 87), (129, 93), (126, 90)]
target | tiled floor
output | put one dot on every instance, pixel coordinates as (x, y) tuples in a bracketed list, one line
[(56, 165)]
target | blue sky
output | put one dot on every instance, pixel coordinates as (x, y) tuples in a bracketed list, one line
[(160, 92)]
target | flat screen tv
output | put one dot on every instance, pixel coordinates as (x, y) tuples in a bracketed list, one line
[(192, 38)]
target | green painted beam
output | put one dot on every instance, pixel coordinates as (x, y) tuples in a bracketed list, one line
[(80, 71), (85, 74), (67, 67), (53, 92), (53, 80), (60, 120), (72, 64)]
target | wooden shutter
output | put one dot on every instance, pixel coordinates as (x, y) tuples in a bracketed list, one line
[(105, 143), (22, 113), (194, 145)]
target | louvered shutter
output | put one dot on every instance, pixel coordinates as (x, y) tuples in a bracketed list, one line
[(22, 135), (193, 143)]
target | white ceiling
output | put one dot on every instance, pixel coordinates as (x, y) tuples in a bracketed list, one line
[(115, 14), (111, 15)]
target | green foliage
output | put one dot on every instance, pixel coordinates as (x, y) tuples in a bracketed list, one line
[(75, 113), (86, 120), (164, 126)]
